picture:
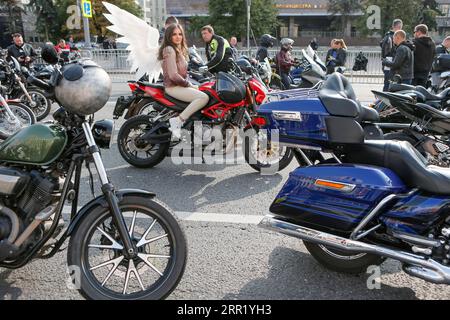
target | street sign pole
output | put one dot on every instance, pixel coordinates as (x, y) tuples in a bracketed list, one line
[(87, 35)]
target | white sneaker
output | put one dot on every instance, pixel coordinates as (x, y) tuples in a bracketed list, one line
[(175, 127)]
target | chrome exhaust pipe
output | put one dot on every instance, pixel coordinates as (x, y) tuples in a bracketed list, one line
[(418, 266)]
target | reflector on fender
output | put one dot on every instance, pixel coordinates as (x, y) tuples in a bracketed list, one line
[(333, 185)]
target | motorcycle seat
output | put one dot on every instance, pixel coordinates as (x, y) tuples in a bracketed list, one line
[(338, 97), (402, 158), (158, 85), (430, 96)]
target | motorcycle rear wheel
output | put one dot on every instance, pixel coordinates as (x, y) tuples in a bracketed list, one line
[(342, 261), (130, 150)]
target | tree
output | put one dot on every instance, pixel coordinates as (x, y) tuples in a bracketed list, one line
[(342, 11), (229, 17), (98, 23), (46, 14), (412, 13), (14, 9)]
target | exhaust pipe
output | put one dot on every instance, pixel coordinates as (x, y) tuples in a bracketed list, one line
[(427, 269)]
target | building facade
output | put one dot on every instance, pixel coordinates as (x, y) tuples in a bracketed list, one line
[(299, 19), (154, 12), (443, 22)]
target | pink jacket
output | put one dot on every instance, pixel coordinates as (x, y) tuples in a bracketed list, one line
[(174, 69)]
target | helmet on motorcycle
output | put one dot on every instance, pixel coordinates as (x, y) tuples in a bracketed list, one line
[(245, 65), (84, 87), (286, 43), (267, 40)]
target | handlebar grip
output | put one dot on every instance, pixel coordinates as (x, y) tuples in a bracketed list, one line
[(39, 83)]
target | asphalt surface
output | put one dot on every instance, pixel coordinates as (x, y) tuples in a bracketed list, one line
[(228, 258)]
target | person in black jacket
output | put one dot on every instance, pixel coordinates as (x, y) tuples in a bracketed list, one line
[(423, 55), (266, 42), (444, 47), (218, 51), (403, 62), (23, 52), (388, 50)]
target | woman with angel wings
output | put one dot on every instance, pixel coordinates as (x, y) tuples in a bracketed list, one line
[(174, 54), (148, 58)]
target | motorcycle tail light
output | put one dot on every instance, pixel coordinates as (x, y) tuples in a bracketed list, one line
[(259, 121)]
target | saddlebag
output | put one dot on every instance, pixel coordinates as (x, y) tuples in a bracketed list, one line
[(334, 197)]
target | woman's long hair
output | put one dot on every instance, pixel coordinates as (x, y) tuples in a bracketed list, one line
[(167, 41), (341, 42)]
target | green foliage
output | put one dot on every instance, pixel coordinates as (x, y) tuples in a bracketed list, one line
[(342, 11), (412, 13), (46, 15), (229, 17), (52, 17)]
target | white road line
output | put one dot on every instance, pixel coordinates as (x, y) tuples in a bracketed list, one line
[(206, 217)]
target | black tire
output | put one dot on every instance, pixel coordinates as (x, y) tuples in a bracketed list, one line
[(43, 106), (282, 163), (401, 136), (78, 252), (147, 107), (341, 261), (129, 150), (19, 109)]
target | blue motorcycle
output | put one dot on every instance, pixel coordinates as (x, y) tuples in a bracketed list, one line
[(360, 200)]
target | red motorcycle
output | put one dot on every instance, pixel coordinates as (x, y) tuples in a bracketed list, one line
[(145, 140)]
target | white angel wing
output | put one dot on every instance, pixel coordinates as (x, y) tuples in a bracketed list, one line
[(141, 38)]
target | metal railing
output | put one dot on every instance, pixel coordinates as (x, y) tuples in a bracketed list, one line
[(116, 64)]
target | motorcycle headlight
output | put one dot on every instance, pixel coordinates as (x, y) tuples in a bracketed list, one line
[(103, 133)]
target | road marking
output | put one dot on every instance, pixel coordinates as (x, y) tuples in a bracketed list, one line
[(205, 217)]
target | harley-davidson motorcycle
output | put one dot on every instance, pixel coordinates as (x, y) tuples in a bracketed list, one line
[(367, 200), (123, 244)]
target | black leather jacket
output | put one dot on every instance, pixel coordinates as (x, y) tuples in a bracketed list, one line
[(403, 63), (26, 50)]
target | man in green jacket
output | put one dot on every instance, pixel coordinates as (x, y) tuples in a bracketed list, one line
[(218, 51)]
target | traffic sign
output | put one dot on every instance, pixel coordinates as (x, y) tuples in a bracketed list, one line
[(86, 6)]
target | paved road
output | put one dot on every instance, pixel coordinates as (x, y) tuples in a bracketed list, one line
[(229, 258)]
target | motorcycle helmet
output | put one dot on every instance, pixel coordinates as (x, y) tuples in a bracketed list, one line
[(230, 89), (267, 40), (245, 65), (286, 43), (84, 87)]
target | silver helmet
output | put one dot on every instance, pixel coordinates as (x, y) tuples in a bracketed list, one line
[(84, 88), (287, 43)]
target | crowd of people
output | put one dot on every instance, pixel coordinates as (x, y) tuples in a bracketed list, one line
[(411, 59)]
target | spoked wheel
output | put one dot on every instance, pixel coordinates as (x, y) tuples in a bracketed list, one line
[(24, 117), (342, 261), (136, 153), (107, 272), (261, 154), (41, 106)]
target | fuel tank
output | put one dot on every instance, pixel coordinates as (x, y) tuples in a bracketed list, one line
[(39, 144)]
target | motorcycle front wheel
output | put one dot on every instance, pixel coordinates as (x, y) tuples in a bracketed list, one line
[(101, 269), (24, 117), (41, 106)]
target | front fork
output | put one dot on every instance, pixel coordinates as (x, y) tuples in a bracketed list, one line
[(108, 192)]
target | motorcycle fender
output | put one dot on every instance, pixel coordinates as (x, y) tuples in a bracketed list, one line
[(100, 201)]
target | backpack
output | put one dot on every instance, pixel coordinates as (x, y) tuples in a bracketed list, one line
[(360, 62)]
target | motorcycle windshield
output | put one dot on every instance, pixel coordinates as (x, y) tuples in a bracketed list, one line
[(315, 73)]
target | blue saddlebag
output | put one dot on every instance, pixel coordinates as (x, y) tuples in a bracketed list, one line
[(334, 197)]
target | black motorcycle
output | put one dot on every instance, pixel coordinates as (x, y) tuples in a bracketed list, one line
[(124, 244), (16, 87)]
